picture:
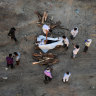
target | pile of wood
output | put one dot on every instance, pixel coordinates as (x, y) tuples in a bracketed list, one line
[(43, 18), (45, 59)]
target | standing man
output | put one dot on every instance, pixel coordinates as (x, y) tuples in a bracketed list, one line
[(75, 51), (66, 77), (74, 32), (48, 76), (66, 42), (46, 29), (87, 44), (12, 34), (17, 55), (9, 60)]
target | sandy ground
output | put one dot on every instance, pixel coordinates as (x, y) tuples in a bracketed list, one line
[(27, 79)]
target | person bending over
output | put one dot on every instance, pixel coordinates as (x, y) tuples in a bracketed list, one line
[(12, 34)]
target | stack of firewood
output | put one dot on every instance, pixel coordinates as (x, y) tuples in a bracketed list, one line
[(45, 59), (42, 18)]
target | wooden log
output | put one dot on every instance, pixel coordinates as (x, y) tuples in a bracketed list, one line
[(41, 61), (35, 54), (50, 55), (53, 25), (55, 61), (36, 47), (39, 16), (45, 59), (44, 18)]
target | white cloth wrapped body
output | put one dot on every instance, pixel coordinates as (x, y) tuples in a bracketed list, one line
[(47, 47)]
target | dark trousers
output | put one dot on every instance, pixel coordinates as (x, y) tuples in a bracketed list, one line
[(47, 78), (72, 37), (14, 38), (85, 49), (11, 65), (17, 62), (65, 46)]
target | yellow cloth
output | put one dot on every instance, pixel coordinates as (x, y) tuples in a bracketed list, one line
[(88, 42)]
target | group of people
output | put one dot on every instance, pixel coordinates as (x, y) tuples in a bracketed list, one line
[(10, 60), (16, 55), (46, 30), (48, 76), (74, 32)]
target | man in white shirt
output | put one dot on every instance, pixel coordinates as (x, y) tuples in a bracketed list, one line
[(74, 32), (46, 29), (17, 55), (75, 51), (66, 76), (66, 42), (87, 44)]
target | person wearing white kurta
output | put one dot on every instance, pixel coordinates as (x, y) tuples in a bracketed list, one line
[(66, 76), (74, 32), (46, 29), (75, 51), (17, 57), (66, 42)]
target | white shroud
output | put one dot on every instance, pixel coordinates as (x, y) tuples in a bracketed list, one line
[(46, 47)]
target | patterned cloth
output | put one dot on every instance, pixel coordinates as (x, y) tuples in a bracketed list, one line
[(48, 73)]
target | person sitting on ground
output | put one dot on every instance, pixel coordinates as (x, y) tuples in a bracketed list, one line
[(12, 34), (48, 76), (66, 77), (17, 55), (87, 44), (46, 29), (9, 60), (74, 32), (66, 42), (75, 51)]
